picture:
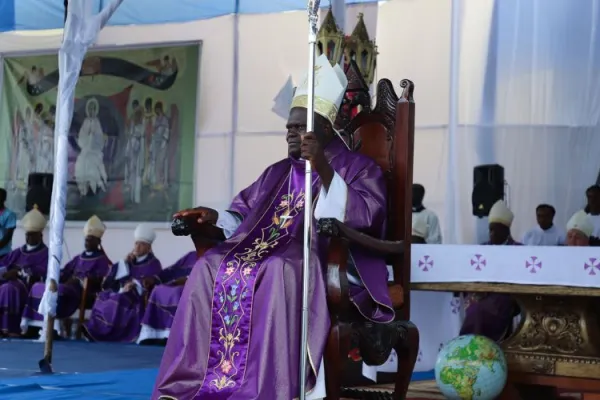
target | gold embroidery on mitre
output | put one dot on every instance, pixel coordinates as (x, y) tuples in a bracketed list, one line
[(323, 107)]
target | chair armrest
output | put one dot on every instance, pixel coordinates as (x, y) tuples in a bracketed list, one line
[(333, 228), (204, 236)]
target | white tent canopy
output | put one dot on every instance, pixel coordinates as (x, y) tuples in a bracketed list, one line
[(526, 97)]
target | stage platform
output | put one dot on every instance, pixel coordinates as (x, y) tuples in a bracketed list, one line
[(91, 371)]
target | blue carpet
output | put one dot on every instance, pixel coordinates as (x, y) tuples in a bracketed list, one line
[(91, 371)]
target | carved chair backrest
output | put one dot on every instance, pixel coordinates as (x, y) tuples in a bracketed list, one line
[(386, 134)]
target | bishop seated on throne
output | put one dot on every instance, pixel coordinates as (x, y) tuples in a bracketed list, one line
[(240, 310)]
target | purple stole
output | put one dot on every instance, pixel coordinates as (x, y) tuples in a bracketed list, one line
[(234, 284)]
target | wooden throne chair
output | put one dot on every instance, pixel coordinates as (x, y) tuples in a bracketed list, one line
[(386, 134)]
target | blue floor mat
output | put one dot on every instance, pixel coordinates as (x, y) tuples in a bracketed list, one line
[(91, 371)]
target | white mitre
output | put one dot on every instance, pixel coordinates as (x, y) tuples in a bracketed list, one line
[(330, 87), (144, 233), (420, 227), (500, 213), (94, 227), (582, 223), (34, 221)]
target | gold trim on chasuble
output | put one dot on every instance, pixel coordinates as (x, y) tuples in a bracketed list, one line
[(234, 289)]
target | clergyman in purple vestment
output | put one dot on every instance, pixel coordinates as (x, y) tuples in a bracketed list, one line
[(491, 314), (93, 263), (164, 299), (236, 333), (20, 269), (119, 308)]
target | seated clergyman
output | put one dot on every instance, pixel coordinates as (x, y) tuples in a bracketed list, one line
[(119, 308), (546, 233), (492, 314), (19, 270), (579, 229), (163, 301), (93, 263), (236, 333)]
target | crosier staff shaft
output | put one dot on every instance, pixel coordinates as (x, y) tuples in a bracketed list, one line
[(313, 17)]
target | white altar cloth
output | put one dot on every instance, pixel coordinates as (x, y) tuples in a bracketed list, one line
[(532, 265)]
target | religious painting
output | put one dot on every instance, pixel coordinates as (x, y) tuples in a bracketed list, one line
[(131, 140)]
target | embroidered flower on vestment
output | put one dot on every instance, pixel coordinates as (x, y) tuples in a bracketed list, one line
[(226, 366)]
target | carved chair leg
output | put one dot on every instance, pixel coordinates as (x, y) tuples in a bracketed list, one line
[(407, 349), (336, 356)]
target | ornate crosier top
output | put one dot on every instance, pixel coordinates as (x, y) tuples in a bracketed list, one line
[(313, 18)]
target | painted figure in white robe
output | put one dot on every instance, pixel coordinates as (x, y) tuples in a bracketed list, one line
[(157, 172), (45, 154), (90, 172), (33, 76), (23, 152), (148, 131), (135, 153), (168, 66), (545, 233)]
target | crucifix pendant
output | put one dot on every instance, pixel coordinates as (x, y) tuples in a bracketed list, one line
[(284, 219)]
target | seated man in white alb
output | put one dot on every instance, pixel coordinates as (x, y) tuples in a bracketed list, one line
[(545, 233), (420, 229), (434, 235)]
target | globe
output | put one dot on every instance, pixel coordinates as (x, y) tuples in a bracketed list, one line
[(471, 367)]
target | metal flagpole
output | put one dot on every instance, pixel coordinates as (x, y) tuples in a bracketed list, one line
[(313, 17)]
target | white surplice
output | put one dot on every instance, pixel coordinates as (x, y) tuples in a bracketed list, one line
[(554, 236)]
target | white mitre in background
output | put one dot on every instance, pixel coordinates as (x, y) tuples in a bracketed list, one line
[(581, 222), (34, 221), (144, 233), (330, 87), (501, 214), (94, 227)]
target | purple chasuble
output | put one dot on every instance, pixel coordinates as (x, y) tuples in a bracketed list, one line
[(13, 294), (236, 330), (164, 298), (86, 265), (116, 316), (489, 314)]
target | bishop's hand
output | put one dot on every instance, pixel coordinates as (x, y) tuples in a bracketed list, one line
[(11, 275), (203, 215), (312, 150)]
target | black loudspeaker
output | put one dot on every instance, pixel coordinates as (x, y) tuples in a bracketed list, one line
[(488, 188), (39, 192)]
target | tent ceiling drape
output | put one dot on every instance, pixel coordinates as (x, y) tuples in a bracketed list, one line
[(45, 14)]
